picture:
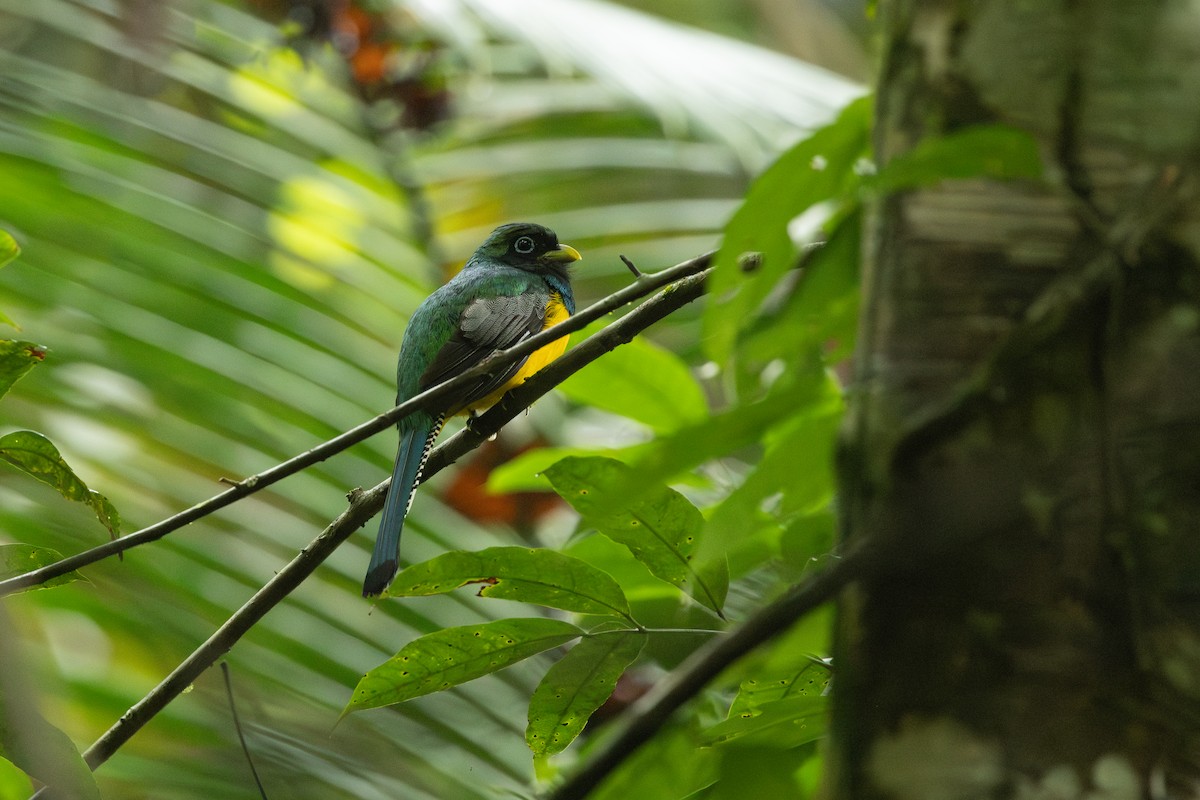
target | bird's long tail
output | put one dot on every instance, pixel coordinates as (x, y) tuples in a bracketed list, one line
[(414, 449)]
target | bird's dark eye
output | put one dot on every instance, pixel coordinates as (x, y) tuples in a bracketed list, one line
[(524, 245)]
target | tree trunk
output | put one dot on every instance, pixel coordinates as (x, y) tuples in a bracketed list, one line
[(1025, 441)]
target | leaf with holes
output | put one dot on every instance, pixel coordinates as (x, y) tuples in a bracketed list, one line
[(529, 575), (451, 656), (38, 458), (576, 686), (17, 559), (810, 680), (783, 723), (660, 527)]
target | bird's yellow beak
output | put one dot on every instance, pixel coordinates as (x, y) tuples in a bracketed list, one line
[(564, 254)]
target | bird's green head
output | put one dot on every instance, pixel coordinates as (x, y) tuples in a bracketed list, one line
[(528, 246)]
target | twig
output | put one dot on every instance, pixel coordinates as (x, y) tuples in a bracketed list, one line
[(364, 504), (237, 725), (656, 707), (637, 273), (429, 399)]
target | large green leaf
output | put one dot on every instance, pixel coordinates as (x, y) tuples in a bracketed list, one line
[(821, 311), (661, 527), (642, 381), (17, 358), (820, 168), (37, 457), (446, 658), (541, 576), (578, 684), (742, 426)]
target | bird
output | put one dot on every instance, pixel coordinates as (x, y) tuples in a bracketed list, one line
[(516, 284)]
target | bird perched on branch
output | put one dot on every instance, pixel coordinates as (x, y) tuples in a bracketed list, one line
[(516, 284)]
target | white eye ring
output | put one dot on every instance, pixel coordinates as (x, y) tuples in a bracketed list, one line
[(524, 245)]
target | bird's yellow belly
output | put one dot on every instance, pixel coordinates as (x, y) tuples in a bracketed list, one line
[(556, 312)]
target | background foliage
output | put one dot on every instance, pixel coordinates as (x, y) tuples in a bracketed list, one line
[(225, 223)]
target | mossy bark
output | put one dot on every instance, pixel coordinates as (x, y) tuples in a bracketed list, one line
[(1025, 434)]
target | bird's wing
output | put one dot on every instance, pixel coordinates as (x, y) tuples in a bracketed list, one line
[(488, 324)]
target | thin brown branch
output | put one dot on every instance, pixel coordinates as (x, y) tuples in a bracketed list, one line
[(430, 399), (648, 715), (364, 504)]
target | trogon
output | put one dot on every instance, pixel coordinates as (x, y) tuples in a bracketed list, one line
[(516, 284)]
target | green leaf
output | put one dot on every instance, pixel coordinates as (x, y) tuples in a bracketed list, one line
[(576, 686), (822, 309), (796, 468), (17, 358), (528, 575), (17, 559), (811, 680), (784, 723), (526, 472), (743, 426), (451, 656), (9, 249), (42, 751), (34, 455), (14, 783), (660, 527), (982, 151), (643, 382), (817, 169), (670, 765)]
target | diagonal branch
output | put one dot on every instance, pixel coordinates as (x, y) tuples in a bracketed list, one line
[(654, 709), (427, 400), (364, 504)]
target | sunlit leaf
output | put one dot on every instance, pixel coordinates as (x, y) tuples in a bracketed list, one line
[(451, 656), (17, 358), (660, 528), (820, 168), (14, 784), (576, 686), (643, 382), (17, 559), (537, 575), (37, 457), (9, 249)]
